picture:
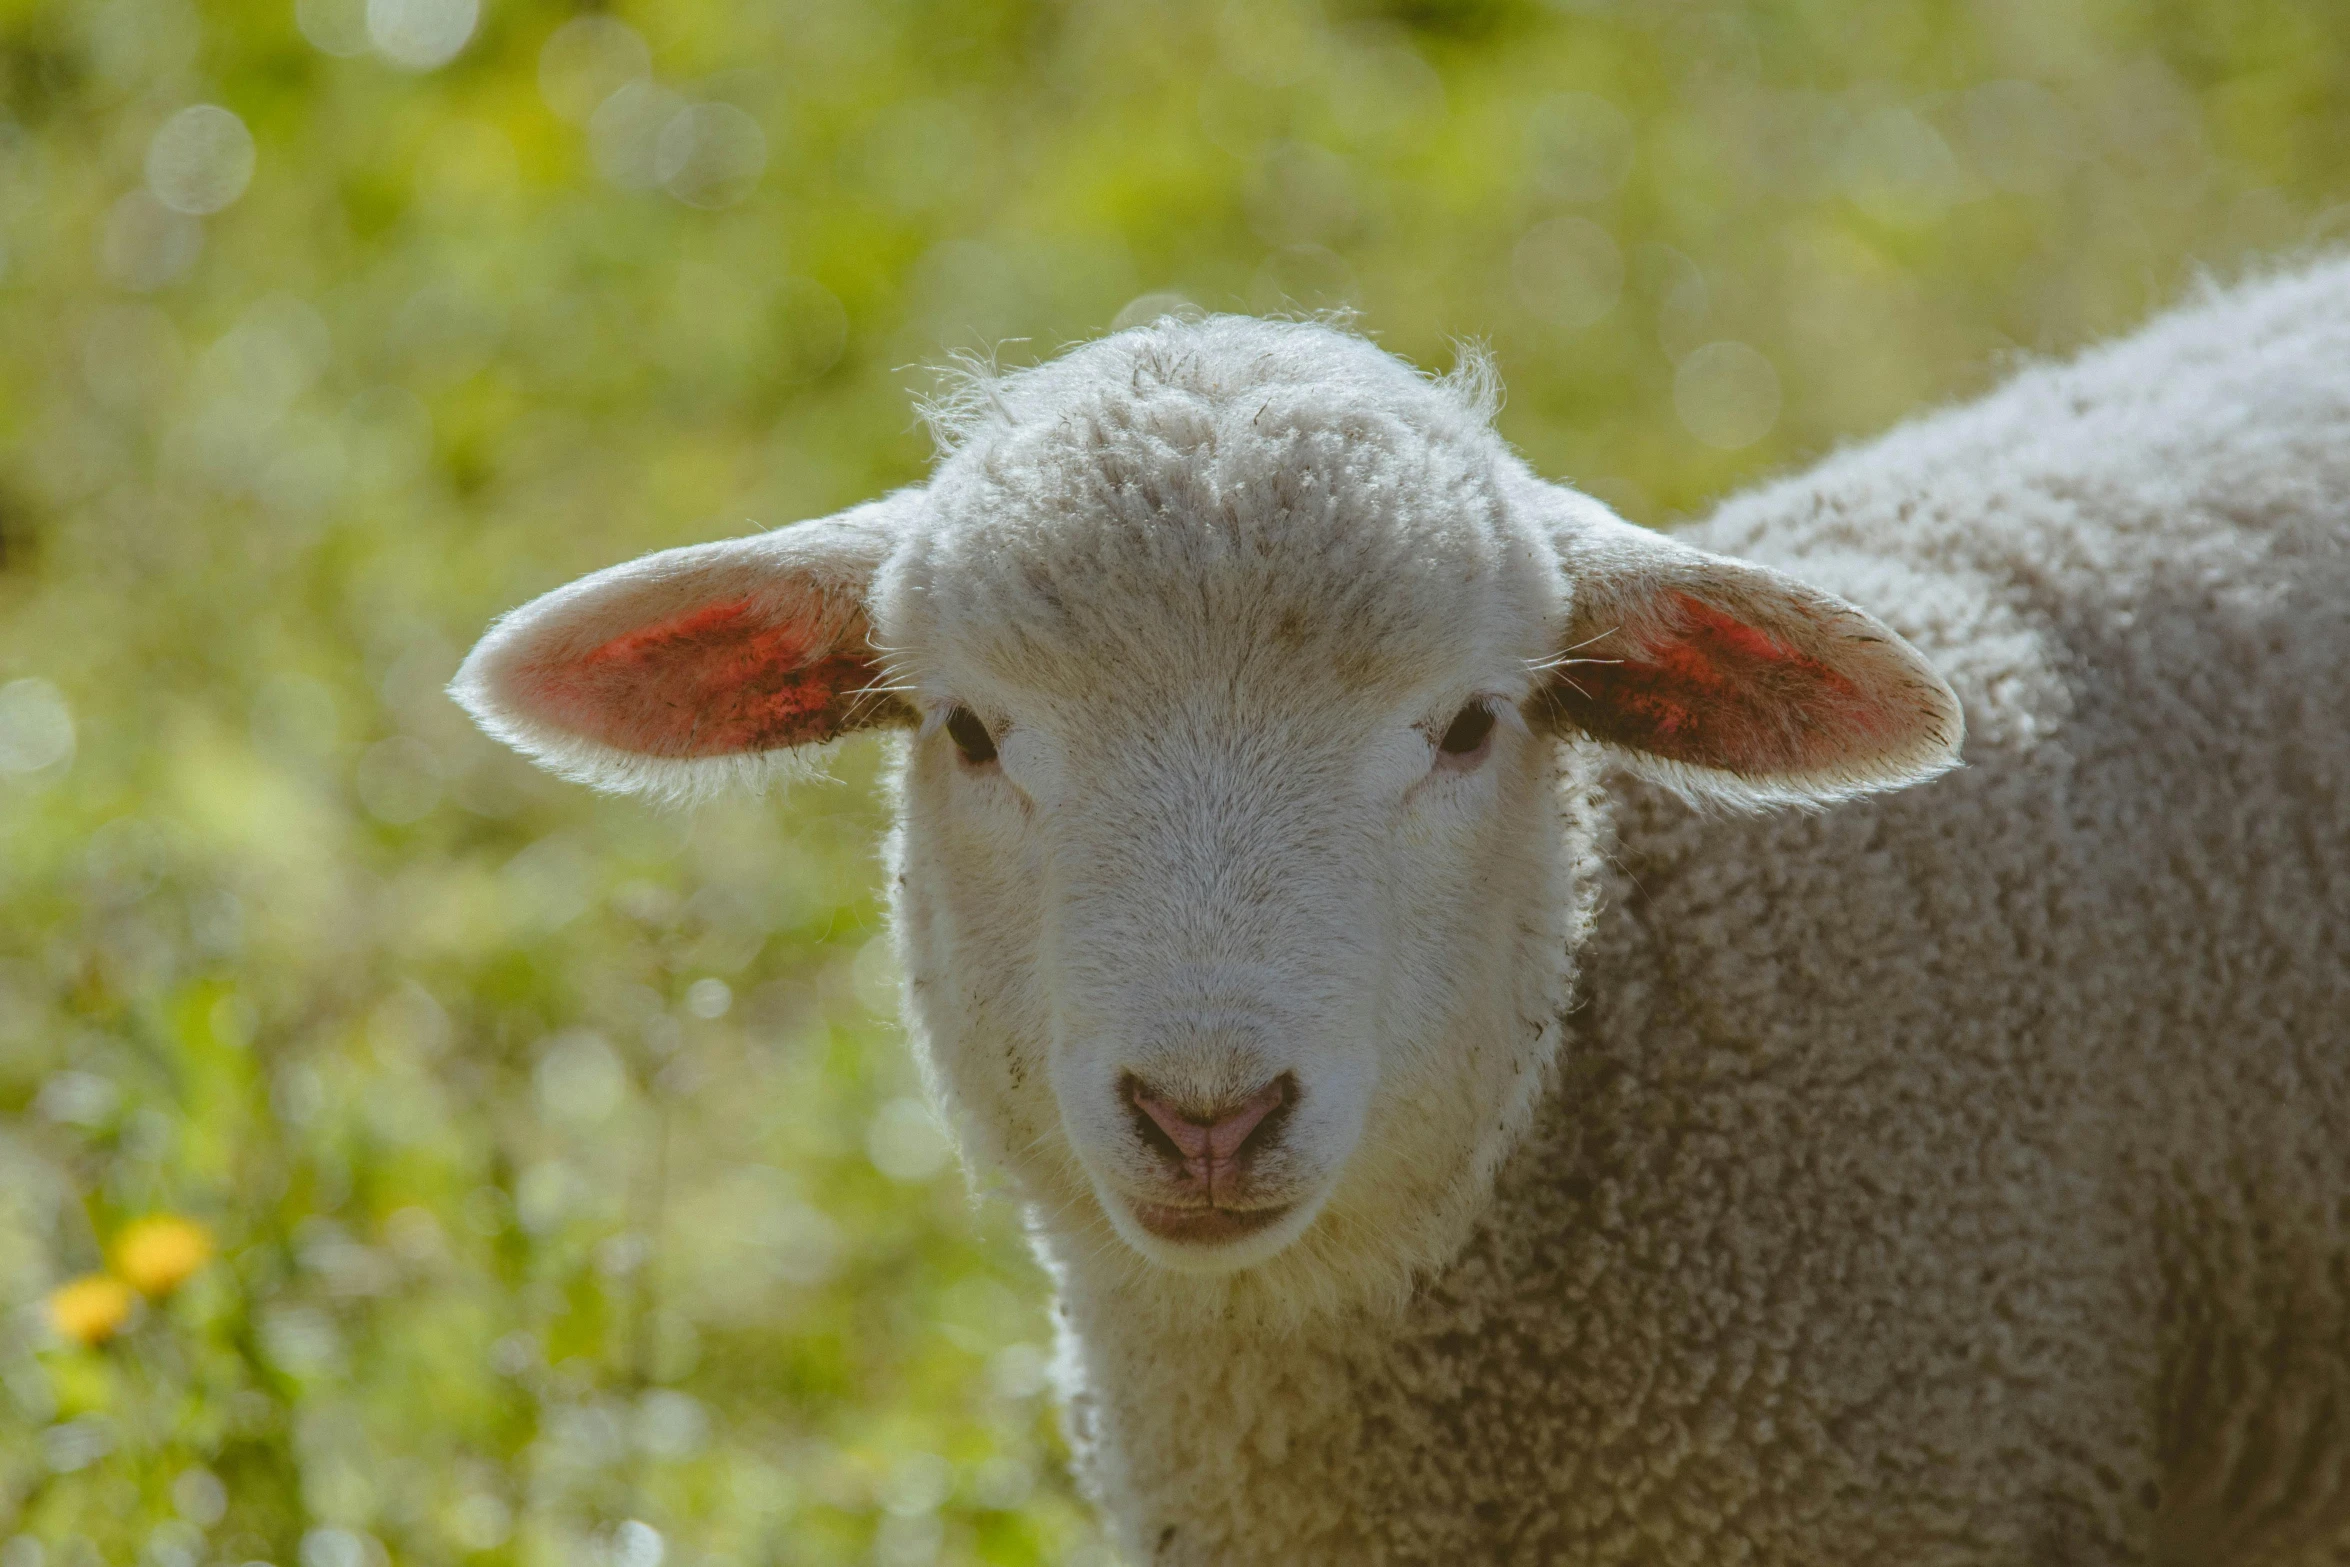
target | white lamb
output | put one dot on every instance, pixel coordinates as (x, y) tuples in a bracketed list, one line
[(1955, 1176)]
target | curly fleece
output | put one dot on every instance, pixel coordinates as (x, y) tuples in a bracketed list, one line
[(1955, 1176)]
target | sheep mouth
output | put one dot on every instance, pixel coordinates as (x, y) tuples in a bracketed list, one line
[(1205, 1226)]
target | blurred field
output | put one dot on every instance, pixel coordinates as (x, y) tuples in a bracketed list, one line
[(554, 1188)]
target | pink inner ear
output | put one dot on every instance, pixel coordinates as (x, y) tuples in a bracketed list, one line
[(713, 682), (1716, 692)]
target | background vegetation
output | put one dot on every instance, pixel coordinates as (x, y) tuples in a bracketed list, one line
[(404, 1158)]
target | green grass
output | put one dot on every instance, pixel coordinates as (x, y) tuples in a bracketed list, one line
[(568, 1178)]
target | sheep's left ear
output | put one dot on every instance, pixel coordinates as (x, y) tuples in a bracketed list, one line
[(1728, 680), (692, 669)]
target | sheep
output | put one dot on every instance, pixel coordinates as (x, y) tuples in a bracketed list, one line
[(1516, 1039)]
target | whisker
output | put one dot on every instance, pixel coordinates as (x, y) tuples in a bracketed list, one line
[(1560, 656), (1562, 661)]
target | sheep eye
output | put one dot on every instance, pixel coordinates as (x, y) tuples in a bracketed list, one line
[(970, 737), (1468, 730)]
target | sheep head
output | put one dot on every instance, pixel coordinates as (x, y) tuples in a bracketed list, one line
[(1253, 692)]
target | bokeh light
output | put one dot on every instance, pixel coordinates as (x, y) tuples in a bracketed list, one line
[(338, 27), (587, 60), (709, 155), (200, 160), (144, 245), (1727, 395), (36, 727), (626, 131), (420, 35)]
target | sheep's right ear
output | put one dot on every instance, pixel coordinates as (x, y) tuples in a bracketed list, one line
[(692, 669)]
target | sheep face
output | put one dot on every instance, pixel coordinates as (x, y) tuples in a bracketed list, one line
[(1239, 863), (1223, 810), (1200, 973)]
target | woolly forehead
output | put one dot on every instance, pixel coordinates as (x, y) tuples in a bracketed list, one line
[(1119, 552)]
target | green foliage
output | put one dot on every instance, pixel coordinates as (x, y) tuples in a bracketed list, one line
[(573, 1199)]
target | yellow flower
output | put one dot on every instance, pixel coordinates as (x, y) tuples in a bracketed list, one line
[(156, 1255), (90, 1310)]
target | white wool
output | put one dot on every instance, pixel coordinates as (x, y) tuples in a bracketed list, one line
[(1949, 1175)]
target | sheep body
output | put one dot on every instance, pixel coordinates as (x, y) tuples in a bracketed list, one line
[(1955, 1176), (1952, 1176)]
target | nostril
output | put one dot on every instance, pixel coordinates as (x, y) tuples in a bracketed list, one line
[(1253, 1120), (1149, 1127), (1202, 1137)]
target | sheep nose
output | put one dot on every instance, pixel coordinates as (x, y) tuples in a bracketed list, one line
[(1210, 1141)]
